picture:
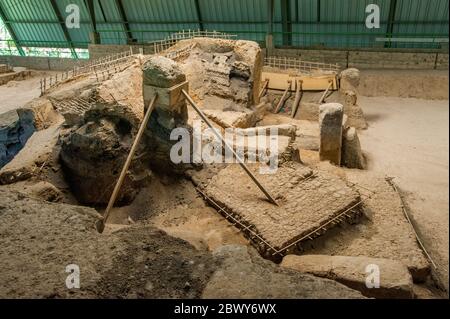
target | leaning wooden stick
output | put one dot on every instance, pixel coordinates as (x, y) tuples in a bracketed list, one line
[(283, 98), (127, 164), (325, 93), (298, 96), (241, 162), (263, 90)]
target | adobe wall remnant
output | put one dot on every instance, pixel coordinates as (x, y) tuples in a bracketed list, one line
[(16, 127), (349, 79), (94, 149), (353, 110), (223, 74), (164, 77), (330, 123), (352, 156)]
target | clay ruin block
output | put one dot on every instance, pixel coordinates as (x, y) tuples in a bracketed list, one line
[(352, 156), (162, 72), (27, 162), (124, 93), (93, 156), (282, 129), (395, 279), (349, 79), (330, 122), (350, 97), (43, 111), (165, 77), (16, 127), (306, 201), (222, 72), (230, 119), (5, 68)]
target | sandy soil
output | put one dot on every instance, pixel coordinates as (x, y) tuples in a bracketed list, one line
[(16, 94), (408, 139)]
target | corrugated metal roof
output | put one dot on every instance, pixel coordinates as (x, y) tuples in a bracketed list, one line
[(329, 23)]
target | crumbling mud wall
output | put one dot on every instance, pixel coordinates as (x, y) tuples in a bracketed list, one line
[(222, 74), (94, 150), (162, 77), (16, 127)]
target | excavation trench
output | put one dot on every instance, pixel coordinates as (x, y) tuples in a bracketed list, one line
[(321, 208)]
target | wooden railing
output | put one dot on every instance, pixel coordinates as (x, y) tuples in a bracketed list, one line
[(115, 62), (299, 65)]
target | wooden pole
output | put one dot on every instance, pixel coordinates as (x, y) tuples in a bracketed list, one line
[(266, 83), (127, 164), (298, 96), (280, 104), (241, 162), (325, 93)]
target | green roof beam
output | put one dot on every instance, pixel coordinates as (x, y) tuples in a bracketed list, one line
[(62, 23), (11, 31)]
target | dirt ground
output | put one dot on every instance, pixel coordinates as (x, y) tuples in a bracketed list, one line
[(169, 229), (16, 94), (408, 139)]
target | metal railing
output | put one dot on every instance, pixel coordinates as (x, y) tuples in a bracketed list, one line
[(299, 65)]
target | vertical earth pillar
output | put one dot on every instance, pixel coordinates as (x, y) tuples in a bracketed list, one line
[(330, 122), (164, 77)]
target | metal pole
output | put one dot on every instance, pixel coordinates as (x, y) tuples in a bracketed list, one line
[(241, 162), (127, 164)]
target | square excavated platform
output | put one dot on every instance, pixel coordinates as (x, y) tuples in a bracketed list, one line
[(308, 202)]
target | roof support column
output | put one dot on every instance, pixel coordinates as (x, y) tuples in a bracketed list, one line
[(123, 17), (199, 15), (94, 36), (390, 24), (11, 30), (318, 11), (269, 34), (62, 23), (286, 22)]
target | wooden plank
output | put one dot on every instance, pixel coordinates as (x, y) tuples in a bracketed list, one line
[(277, 81)]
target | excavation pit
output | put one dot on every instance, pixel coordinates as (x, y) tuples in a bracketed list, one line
[(310, 203)]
